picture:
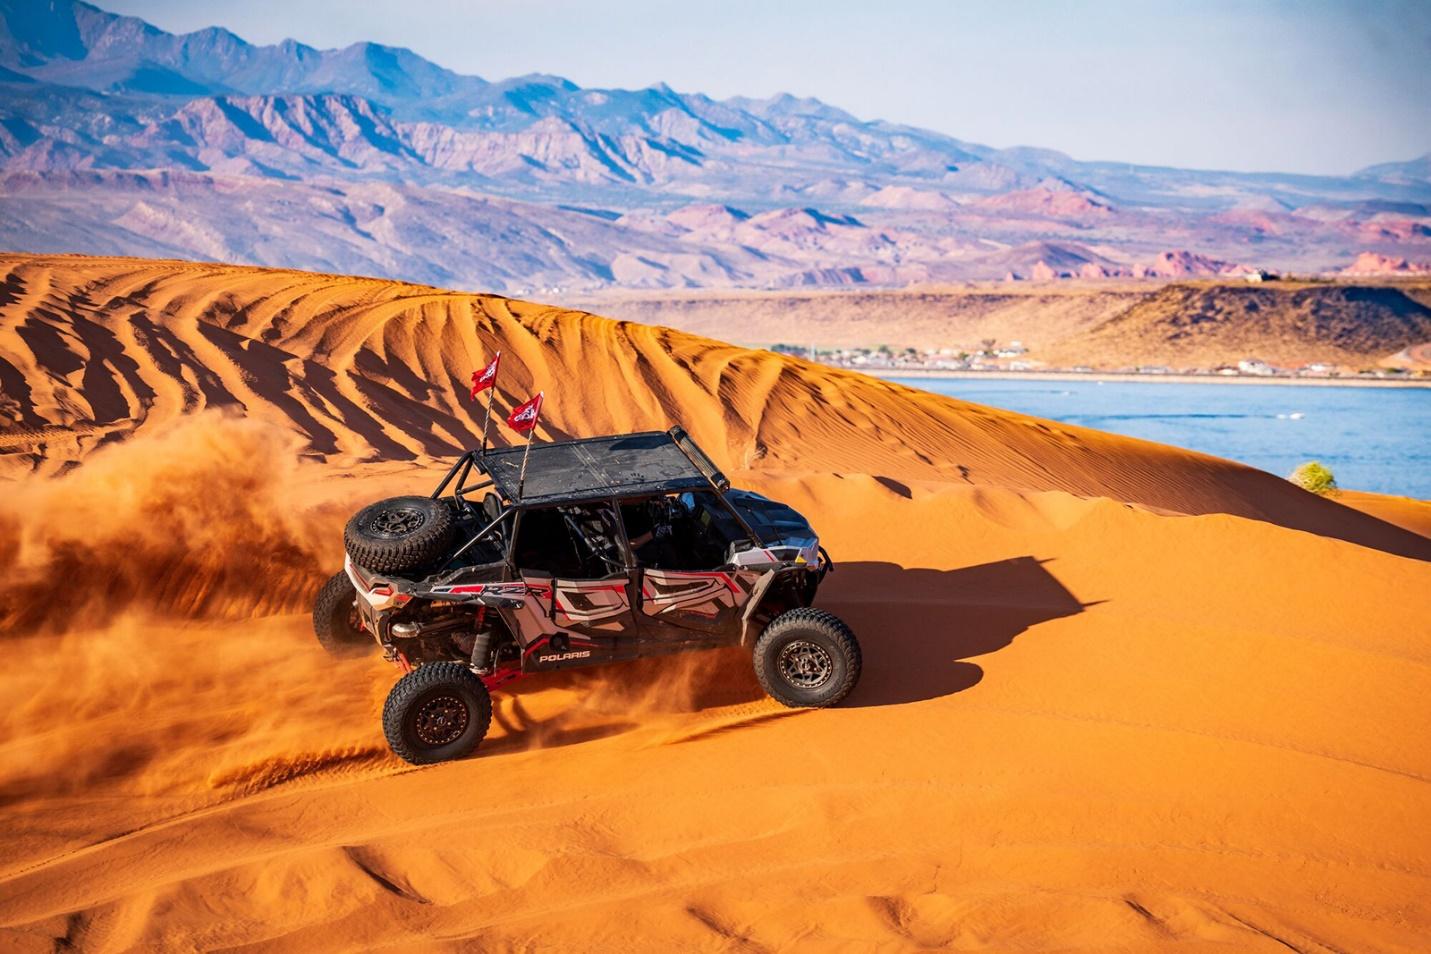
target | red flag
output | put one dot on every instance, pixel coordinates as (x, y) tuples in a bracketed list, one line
[(484, 379), (524, 416)]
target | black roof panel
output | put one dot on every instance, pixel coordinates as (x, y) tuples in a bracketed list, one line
[(622, 465)]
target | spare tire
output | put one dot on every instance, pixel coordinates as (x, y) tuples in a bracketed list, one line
[(400, 534)]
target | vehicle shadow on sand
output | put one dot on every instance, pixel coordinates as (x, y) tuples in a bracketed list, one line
[(918, 628)]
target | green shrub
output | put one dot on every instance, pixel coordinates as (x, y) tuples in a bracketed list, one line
[(1316, 477)]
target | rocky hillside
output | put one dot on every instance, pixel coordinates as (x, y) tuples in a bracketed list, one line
[(1206, 325)]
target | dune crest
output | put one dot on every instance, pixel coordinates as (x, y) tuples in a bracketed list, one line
[(1117, 695), (362, 370)]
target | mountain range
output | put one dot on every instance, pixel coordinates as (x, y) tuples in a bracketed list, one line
[(117, 137)]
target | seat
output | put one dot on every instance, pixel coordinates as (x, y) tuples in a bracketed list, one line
[(491, 507)]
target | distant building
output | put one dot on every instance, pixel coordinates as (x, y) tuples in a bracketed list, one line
[(1255, 366), (1260, 275)]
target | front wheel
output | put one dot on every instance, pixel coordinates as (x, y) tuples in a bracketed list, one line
[(335, 619), (807, 658), (437, 712)]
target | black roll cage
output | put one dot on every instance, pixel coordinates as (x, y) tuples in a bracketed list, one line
[(461, 471)]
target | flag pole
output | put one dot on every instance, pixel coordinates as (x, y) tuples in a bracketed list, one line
[(522, 477), (491, 394), (486, 421)]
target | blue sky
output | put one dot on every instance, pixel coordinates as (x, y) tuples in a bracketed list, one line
[(1318, 87)]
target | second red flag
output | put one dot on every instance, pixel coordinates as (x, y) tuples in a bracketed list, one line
[(524, 416)]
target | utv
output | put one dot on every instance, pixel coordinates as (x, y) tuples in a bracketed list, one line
[(612, 548)]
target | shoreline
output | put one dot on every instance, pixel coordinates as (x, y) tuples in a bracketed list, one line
[(886, 373)]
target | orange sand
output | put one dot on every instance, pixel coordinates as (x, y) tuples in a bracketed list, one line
[(1117, 695), (1413, 515)]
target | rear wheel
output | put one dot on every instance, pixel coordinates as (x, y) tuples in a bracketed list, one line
[(807, 658), (335, 619), (400, 534), (437, 712)]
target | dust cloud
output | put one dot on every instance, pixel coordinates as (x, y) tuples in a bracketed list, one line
[(155, 620)]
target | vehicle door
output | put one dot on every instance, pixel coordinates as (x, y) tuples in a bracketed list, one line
[(578, 607), (686, 590)]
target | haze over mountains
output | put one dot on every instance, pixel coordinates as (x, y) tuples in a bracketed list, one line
[(119, 138)]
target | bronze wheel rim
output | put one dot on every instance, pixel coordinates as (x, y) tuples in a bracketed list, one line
[(396, 522), (805, 665), (440, 720)]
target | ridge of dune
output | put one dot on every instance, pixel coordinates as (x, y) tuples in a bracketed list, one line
[(1117, 695), (1404, 512), (93, 350)]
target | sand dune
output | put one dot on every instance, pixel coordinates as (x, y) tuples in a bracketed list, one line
[(1413, 515), (96, 350), (1118, 695)]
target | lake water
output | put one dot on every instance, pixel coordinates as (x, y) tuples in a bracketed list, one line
[(1375, 439)]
